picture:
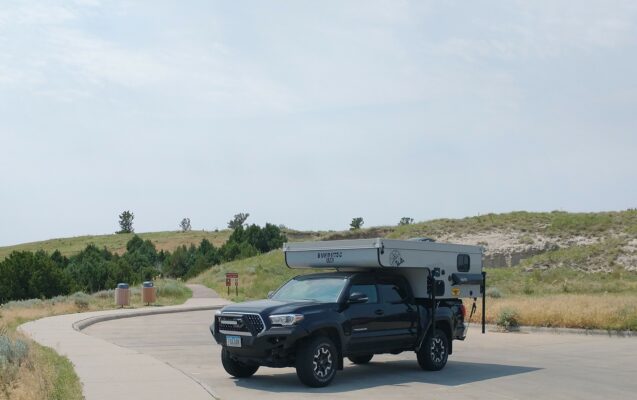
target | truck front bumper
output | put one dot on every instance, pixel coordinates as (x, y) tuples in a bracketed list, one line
[(274, 347)]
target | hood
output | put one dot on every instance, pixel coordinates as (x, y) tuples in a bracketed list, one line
[(269, 307)]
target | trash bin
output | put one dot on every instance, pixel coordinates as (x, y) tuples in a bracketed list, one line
[(149, 293), (122, 295)]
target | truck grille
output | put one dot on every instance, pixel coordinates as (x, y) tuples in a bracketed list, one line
[(247, 324)]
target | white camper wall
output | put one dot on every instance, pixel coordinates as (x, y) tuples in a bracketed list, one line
[(412, 259)]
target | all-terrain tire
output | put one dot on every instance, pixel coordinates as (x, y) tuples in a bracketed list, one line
[(361, 359), (317, 361), (434, 352), (236, 368)]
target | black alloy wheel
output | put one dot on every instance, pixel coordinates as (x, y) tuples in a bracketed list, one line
[(317, 362)]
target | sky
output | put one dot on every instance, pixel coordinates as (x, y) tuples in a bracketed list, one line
[(308, 114)]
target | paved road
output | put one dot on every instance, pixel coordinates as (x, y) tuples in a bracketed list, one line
[(495, 365), (202, 292)]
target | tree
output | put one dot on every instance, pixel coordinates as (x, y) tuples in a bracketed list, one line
[(178, 263), (89, 269), (185, 225), (27, 275), (238, 220), (356, 224), (406, 221), (126, 222)]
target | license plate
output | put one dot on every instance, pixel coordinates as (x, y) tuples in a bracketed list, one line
[(233, 341)]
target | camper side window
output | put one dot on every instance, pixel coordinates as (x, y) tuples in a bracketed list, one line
[(464, 263)]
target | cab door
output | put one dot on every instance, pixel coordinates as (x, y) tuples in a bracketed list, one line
[(362, 326), (399, 323)]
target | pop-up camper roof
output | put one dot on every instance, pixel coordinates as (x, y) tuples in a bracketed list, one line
[(411, 258), (372, 253)]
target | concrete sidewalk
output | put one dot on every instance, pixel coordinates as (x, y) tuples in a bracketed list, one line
[(108, 371)]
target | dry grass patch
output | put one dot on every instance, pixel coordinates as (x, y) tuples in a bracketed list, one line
[(603, 311), (42, 373), (39, 374)]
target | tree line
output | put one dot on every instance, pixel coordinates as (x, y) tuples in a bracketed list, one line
[(26, 275)]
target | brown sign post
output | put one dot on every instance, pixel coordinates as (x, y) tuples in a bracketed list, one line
[(232, 276)]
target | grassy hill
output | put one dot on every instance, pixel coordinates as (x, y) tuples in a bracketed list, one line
[(587, 241), (562, 269), (258, 275), (168, 240), (548, 269)]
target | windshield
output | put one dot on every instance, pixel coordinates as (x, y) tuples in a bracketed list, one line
[(325, 290)]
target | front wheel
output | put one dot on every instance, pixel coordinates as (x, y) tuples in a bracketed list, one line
[(434, 352), (236, 368), (316, 362)]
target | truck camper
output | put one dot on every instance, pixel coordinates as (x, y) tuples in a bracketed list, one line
[(371, 296)]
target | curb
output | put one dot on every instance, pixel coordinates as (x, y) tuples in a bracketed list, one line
[(85, 323), (560, 331)]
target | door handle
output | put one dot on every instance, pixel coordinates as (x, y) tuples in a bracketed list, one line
[(379, 312)]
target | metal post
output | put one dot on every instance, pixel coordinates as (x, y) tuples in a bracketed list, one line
[(484, 297), (432, 297)]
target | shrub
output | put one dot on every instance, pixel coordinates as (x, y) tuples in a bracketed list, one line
[(81, 300), (13, 353), (105, 294), (525, 239), (494, 292), (508, 318), (30, 303), (172, 288)]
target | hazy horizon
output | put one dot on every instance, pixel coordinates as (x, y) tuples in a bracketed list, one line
[(309, 116)]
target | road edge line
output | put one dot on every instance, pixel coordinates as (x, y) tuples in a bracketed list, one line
[(85, 323), (561, 331)]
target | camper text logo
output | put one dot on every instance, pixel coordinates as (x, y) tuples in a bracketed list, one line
[(329, 256)]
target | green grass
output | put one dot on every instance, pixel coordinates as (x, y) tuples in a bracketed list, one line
[(260, 274), (595, 257), (257, 276), (169, 240), (66, 384), (556, 224), (516, 281)]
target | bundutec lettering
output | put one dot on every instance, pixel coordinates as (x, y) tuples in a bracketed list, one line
[(330, 254)]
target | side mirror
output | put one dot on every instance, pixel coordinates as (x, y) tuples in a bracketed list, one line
[(357, 297), (270, 293)]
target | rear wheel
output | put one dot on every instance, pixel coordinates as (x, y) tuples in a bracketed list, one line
[(361, 359), (317, 361), (434, 352), (236, 368)]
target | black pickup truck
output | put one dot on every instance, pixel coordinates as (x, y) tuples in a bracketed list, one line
[(313, 321)]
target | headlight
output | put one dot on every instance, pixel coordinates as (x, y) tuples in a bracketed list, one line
[(285, 319), (218, 312)]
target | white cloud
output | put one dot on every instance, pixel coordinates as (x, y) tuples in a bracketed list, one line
[(551, 29), (302, 112)]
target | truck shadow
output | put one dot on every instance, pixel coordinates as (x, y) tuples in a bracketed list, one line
[(395, 373)]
